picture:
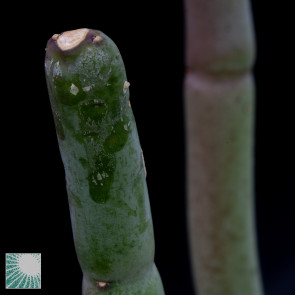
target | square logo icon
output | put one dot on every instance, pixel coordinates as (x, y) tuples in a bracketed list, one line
[(23, 270)]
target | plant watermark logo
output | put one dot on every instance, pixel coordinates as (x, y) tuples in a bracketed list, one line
[(23, 271)]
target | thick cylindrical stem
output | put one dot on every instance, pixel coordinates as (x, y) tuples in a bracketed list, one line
[(103, 161), (219, 105)]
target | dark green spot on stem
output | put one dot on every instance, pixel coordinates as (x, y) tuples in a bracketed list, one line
[(101, 178), (93, 110), (102, 264), (118, 137)]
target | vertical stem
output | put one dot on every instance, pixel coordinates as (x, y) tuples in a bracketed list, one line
[(220, 106)]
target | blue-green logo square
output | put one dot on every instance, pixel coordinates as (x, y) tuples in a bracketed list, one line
[(23, 270)]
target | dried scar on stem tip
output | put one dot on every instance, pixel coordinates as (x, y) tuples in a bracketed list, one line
[(71, 39)]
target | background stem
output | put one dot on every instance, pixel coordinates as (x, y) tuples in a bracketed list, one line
[(219, 105)]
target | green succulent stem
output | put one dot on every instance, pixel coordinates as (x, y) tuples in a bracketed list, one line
[(220, 106), (103, 162)]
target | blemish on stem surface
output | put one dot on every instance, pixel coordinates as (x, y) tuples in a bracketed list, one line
[(102, 285), (71, 39)]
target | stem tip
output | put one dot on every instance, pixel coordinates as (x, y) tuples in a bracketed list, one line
[(71, 39)]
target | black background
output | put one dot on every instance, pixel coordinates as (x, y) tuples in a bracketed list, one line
[(34, 210)]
